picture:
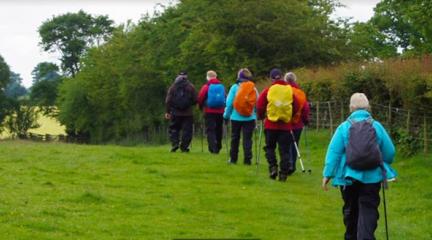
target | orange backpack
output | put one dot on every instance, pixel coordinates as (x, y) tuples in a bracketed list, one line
[(301, 98), (245, 99)]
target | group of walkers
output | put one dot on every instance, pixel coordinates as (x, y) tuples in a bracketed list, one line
[(283, 107), (358, 157)]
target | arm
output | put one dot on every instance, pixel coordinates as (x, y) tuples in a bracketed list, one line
[(387, 147), (202, 96), (194, 94), (168, 100), (305, 115), (295, 105), (335, 152), (230, 100), (262, 104)]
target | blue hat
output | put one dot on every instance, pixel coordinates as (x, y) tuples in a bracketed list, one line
[(244, 74), (276, 73)]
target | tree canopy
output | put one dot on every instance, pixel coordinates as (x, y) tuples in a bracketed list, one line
[(120, 88), (71, 34)]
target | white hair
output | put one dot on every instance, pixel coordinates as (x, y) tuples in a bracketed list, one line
[(359, 101), (211, 74), (290, 77)]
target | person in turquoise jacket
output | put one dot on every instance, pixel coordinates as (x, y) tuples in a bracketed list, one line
[(359, 189), (240, 123)]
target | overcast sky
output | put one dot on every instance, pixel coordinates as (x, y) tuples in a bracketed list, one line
[(20, 19)]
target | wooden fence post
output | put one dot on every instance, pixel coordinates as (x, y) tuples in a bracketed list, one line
[(389, 115), (408, 121), (331, 118), (317, 115), (342, 112)]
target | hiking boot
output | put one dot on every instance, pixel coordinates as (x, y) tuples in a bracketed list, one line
[(273, 172), (231, 162), (174, 149), (283, 177)]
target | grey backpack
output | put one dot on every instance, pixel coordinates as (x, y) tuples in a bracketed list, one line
[(363, 152)]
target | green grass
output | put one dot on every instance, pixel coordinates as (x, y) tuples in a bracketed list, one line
[(60, 191)]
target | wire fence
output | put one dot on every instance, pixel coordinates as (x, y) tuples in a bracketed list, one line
[(399, 122), (402, 124)]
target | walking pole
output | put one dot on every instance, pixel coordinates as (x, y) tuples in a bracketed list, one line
[(385, 209), (259, 147), (307, 145), (298, 154)]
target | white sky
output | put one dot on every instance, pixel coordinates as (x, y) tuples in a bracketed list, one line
[(20, 19)]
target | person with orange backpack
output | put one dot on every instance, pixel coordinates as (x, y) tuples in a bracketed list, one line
[(276, 106), (241, 110), (211, 99), (300, 117)]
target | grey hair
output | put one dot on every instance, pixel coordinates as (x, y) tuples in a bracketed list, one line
[(290, 77), (359, 101)]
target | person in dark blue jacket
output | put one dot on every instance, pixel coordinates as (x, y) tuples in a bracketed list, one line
[(360, 189)]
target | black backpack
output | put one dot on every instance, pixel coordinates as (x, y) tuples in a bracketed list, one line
[(363, 152), (182, 97)]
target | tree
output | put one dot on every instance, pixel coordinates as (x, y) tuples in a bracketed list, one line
[(368, 42), (44, 91), (5, 103), (22, 118), (407, 24), (45, 71), (72, 34), (4, 73), (14, 89)]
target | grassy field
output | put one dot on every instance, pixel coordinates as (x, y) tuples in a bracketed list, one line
[(60, 191), (47, 125)]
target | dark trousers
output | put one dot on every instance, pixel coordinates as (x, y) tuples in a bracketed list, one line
[(284, 140), (292, 149), (360, 210), (237, 127), (183, 124), (214, 129)]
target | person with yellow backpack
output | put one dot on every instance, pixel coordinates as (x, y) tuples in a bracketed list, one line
[(241, 110), (300, 117), (276, 106)]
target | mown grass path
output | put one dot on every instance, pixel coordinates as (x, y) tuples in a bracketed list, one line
[(60, 191)]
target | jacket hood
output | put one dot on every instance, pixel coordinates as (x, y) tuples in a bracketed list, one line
[(214, 81), (360, 114)]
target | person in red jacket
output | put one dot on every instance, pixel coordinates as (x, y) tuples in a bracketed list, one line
[(302, 119), (276, 132), (211, 99)]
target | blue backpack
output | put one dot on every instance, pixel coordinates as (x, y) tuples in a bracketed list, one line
[(216, 96)]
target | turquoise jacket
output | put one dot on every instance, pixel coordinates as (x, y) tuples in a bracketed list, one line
[(230, 112), (335, 164)]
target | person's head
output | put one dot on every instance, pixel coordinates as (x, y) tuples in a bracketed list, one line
[(359, 101), (183, 73), (290, 77), (275, 74), (244, 74), (181, 76), (211, 75)]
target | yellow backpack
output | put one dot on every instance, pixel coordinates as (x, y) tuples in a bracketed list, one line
[(280, 99)]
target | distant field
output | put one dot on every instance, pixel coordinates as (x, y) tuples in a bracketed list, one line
[(48, 125), (66, 191)]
